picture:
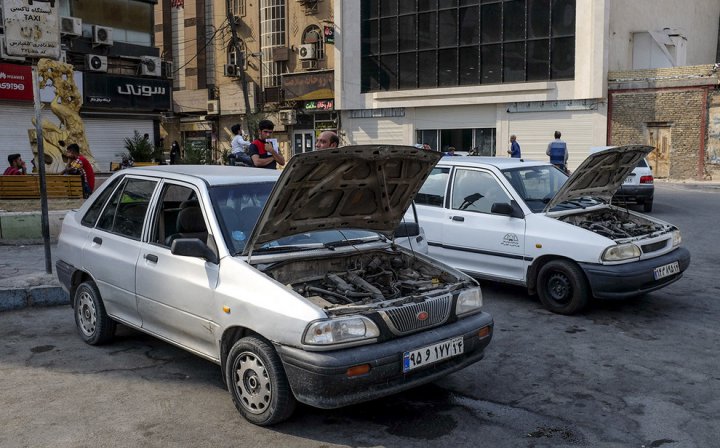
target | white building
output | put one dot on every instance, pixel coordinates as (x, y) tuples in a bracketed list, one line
[(471, 73)]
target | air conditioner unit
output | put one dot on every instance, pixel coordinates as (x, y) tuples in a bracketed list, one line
[(102, 35), (309, 65), (231, 70), (150, 66), (307, 52), (288, 116), (213, 107), (96, 63), (167, 70), (71, 26), (4, 55)]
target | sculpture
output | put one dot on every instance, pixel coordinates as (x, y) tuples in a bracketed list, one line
[(66, 106)]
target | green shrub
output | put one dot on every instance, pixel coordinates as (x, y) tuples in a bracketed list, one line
[(140, 149)]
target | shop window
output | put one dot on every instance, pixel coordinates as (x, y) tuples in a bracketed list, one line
[(477, 141), (313, 35)]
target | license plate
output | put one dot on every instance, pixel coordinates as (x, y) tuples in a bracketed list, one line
[(432, 353), (667, 270), (628, 180)]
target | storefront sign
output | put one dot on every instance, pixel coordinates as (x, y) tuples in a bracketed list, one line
[(320, 105), (309, 86), (32, 28), (16, 82), (329, 32), (126, 92)]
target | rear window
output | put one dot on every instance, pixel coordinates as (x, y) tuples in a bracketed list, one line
[(642, 163)]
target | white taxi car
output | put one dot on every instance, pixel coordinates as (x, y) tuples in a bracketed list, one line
[(525, 222)]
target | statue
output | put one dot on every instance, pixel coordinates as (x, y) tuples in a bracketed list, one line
[(66, 106)]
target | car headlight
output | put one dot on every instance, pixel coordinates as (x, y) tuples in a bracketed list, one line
[(621, 252), (468, 301), (341, 330), (677, 238)]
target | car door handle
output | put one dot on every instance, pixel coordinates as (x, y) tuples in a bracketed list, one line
[(97, 240), (151, 257), (458, 218)]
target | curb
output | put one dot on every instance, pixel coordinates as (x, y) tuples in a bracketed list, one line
[(36, 296)]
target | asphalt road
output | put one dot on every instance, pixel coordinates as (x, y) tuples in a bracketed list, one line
[(636, 373)]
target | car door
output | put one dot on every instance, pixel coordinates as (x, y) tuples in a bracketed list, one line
[(429, 203), (176, 294), (113, 247), (475, 239)]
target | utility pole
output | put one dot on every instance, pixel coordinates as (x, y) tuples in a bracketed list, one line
[(235, 43)]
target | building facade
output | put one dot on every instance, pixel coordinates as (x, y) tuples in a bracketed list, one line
[(119, 73), (471, 73), (236, 62)]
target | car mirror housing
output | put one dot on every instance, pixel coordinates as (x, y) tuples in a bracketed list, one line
[(193, 247), (507, 209), (406, 229)]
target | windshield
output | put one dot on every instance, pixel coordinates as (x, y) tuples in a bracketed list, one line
[(536, 185), (238, 208)]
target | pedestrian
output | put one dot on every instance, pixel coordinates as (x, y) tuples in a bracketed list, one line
[(174, 152), (17, 166), (78, 164), (262, 152), (327, 140), (558, 152), (514, 150), (450, 151)]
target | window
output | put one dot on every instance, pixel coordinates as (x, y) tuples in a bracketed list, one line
[(476, 191), (93, 212), (433, 190), (171, 221), (237, 7), (479, 141), (313, 35), (238, 207), (272, 26), (131, 20), (125, 212), (430, 43)]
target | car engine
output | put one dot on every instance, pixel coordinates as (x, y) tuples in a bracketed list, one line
[(370, 280), (616, 224)]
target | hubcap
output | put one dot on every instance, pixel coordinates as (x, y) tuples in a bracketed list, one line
[(559, 287), (252, 383), (87, 315)]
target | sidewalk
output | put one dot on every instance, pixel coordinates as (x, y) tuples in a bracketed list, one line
[(23, 280)]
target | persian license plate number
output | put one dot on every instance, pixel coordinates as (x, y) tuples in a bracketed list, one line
[(628, 180), (666, 270), (432, 353)]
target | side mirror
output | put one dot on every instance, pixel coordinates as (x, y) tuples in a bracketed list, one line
[(504, 208), (406, 229), (193, 247)]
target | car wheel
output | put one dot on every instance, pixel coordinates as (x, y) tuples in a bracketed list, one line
[(562, 287), (93, 323), (647, 206), (257, 382)]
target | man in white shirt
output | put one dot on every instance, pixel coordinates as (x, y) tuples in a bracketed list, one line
[(238, 143)]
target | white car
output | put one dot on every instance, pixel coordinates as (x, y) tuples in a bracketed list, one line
[(525, 222), (290, 281), (638, 187)]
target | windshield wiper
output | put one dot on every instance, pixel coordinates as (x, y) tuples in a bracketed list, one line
[(351, 242), (286, 248)]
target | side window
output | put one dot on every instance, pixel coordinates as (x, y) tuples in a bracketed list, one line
[(433, 190), (126, 209), (476, 191), (94, 211), (178, 216)]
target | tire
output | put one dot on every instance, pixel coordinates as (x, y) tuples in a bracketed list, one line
[(257, 382), (562, 287), (647, 206), (94, 325)]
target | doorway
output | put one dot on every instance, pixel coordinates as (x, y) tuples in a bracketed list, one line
[(658, 136), (303, 141)]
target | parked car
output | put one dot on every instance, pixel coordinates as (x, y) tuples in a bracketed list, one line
[(638, 188), (525, 222), (291, 282)]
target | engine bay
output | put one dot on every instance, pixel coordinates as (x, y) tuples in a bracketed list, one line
[(616, 224), (372, 280)]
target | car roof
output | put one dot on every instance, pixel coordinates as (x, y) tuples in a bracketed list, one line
[(211, 174), (500, 163)]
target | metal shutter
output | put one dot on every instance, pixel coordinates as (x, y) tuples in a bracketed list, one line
[(106, 137)]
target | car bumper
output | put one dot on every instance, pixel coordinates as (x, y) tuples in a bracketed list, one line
[(635, 193), (319, 378), (631, 279)]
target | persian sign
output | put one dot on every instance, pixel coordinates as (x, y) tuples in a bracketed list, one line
[(320, 105), (126, 92), (309, 86), (16, 82), (32, 28)]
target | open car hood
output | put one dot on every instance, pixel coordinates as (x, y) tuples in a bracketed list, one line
[(365, 187), (601, 174)]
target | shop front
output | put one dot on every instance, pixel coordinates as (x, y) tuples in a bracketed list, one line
[(313, 93)]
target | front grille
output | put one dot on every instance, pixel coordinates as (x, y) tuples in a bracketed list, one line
[(647, 248), (404, 319)]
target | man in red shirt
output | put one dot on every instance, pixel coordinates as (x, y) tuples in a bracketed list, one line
[(80, 165), (17, 165)]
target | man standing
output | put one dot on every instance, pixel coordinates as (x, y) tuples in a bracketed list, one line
[(557, 150), (326, 140), (262, 153), (514, 150), (78, 164), (17, 166)]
